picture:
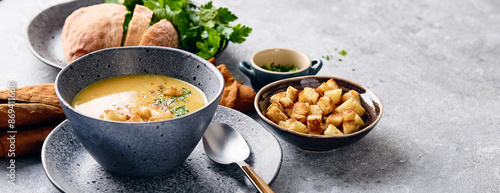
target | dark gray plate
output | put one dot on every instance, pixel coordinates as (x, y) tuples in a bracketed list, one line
[(71, 169), (44, 32)]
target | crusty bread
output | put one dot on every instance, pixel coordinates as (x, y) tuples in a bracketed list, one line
[(100, 26), (92, 28), (138, 25), (162, 33)]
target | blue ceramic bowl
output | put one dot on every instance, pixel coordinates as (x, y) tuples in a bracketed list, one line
[(140, 149)]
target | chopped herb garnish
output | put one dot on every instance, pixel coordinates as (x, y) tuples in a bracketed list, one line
[(179, 111), (280, 68), (331, 57), (328, 57), (162, 101), (353, 69)]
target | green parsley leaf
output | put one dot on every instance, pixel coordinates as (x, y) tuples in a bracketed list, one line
[(225, 16), (240, 33), (210, 45), (343, 53), (209, 17)]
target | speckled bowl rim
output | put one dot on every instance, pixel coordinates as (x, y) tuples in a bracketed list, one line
[(270, 85), (207, 105), (281, 73)]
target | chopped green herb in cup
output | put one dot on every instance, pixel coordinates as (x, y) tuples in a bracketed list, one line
[(280, 68)]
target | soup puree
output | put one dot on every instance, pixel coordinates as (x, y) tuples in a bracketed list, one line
[(139, 98)]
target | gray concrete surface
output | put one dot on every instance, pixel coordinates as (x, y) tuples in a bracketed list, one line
[(434, 64)]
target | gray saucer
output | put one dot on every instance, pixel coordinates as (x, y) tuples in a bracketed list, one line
[(71, 169)]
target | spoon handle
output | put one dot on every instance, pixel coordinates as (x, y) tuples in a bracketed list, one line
[(255, 178)]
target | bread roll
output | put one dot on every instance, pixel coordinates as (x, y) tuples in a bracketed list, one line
[(138, 25), (162, 33), (92, 28)]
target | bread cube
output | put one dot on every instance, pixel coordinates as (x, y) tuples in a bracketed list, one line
[(350, 127), (345, 105), (359, 120), (276, 115), (300, 108), (326, 104), (332, 130), (115, 115), (309, 95), (277, 97), (143, 113), (335, 95), (315, 110), (300, 118), (334, 119), (286, 102), (135, 118), (348, 115), (292, 93), (351, 94), (288, 111), (294, 125), (161, 116), (314, 123), (358, 108), (172, 91), (276, 104), (326, 86)]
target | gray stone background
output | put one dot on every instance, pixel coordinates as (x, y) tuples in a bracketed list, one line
[(434, 64)]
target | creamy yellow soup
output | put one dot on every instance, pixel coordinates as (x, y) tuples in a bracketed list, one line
[(139, 98)]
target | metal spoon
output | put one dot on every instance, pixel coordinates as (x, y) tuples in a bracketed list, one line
[(225, 145)]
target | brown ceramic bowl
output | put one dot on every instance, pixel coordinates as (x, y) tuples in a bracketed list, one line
[(369, 100)]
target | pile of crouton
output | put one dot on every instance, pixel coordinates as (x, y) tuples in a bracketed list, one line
[(326, 110)]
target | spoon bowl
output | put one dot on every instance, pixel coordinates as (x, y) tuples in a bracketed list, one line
[(221, 139), (225, 145)]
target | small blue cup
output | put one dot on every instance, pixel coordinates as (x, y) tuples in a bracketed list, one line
[(282, 56)]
